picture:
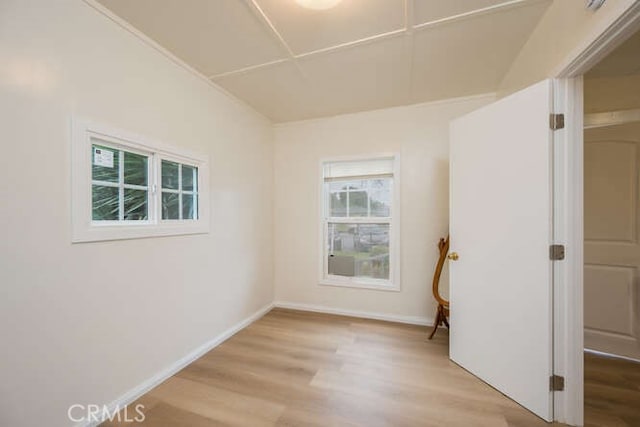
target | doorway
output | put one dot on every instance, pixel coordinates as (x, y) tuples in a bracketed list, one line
[(612, 238)]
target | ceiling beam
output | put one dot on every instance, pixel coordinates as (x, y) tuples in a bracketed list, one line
[(249, 68), (274, 30), (473, 13), (408, 15), (365, 40)]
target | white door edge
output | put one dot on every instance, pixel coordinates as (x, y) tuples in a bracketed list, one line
[(568, 304), (568, 342)]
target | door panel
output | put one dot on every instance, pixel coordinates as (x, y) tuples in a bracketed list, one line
[(607, 297), (612, 250), (500, 225), (610, 187)]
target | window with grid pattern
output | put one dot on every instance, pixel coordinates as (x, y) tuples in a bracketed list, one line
[(136, 188), (358, 223)]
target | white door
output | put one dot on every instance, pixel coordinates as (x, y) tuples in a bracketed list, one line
[(611, 249), (501, 228)]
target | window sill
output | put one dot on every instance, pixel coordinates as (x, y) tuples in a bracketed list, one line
[(99, 233), (362, 284)]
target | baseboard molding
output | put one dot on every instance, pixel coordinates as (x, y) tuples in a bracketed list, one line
[(612, 343), (411, 320), (161, 376), (610, 355)]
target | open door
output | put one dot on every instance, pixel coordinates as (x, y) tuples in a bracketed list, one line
[(501, 229)]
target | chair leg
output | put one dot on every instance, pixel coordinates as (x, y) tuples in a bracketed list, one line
[(436, 323), (444, 318)]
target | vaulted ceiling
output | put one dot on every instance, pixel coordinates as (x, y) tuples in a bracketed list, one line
[(293, 63)]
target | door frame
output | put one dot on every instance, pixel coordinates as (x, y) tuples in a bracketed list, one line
[(568, 311)]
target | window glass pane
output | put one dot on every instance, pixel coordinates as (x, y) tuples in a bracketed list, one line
[(135, 205), (380, 194), (335, 186), (104, 163), (338, 204), (337, 199), (189, 178), (105, 203), (135, 169), (169, 175), (358, 250), (358, 203), (189, 208), (355, 185), (170, 206)]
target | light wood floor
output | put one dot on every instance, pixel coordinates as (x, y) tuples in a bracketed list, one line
[(303, 369), (611, 392)]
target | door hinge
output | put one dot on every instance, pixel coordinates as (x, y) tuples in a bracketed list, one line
[(556, 383), (556, 121), (556, 252)]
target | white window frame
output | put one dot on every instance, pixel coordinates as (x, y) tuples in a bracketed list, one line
[(393, 284), (85, 133)]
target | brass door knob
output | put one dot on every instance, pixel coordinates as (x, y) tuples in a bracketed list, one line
[(453, 256)]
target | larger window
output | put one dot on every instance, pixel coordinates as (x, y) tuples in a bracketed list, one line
[(125, 186), (359, 226)]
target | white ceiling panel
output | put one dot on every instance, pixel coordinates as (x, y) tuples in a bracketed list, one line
[(292, 63), (278, 91), (366, 77), (306, 30), (213, 36), (470, 56), (433, 10)]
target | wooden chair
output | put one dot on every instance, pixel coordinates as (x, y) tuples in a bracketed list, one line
[(443, 305)]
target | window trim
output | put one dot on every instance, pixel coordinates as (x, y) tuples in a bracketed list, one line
[(84, 229), (393, 284)]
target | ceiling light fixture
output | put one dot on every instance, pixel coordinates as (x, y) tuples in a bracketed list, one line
[(594, 4), (318, 4)]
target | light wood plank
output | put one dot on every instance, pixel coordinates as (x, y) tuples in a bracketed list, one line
[(294, 368)]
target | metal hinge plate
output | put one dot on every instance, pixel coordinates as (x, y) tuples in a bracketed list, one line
[(556, 252), (556, 121), (556, 383)]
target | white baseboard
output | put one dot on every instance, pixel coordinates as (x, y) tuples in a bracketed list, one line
[(611, 355), (412, 320), (161, 376), (612, 343)]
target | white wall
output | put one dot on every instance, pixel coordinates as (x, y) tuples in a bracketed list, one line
[(564, 31), (420, 135), (604, 94), (85, 323)]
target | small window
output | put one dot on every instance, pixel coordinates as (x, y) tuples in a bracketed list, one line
[(136, 188), (359, 223)]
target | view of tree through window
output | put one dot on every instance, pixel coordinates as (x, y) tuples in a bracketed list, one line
[(361, 198), (120, 188), (179, 191)]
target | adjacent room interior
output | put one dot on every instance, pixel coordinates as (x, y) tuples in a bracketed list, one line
[(612, 257), (319, 212)]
